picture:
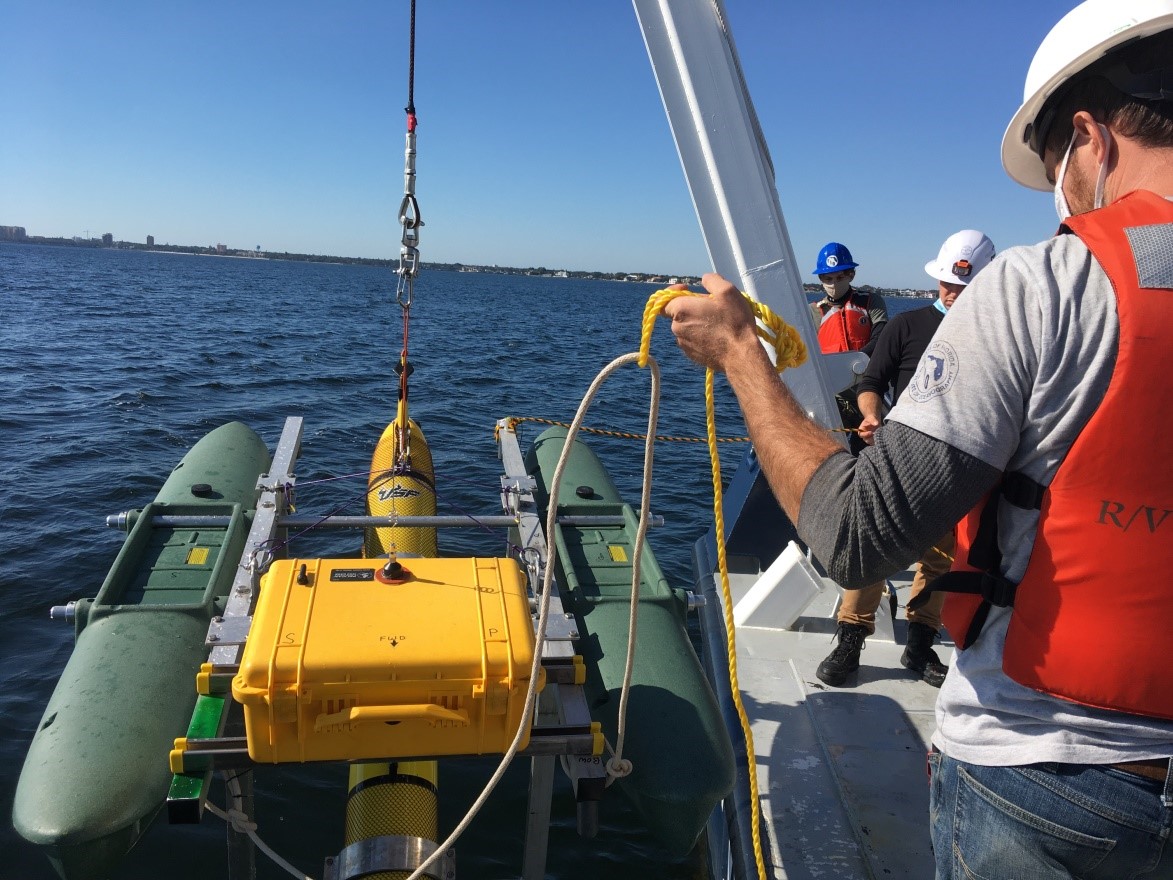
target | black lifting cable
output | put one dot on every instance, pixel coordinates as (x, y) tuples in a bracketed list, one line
[(410, 108), (409, 210)]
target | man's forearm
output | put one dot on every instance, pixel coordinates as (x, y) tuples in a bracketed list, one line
[(871, 405), (718, 331), (789, 445)]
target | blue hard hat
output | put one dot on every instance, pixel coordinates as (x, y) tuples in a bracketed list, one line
[(834, 257)]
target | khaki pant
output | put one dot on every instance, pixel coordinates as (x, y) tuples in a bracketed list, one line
[(859, 606)]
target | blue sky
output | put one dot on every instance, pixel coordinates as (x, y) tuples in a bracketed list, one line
[(542, 141)]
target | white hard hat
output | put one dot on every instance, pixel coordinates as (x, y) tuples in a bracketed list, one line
[(962, 256), (1083, 36)]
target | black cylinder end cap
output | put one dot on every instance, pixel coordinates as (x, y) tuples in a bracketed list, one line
[(585, 492), (201, 490)]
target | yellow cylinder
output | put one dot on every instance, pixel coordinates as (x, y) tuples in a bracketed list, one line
[(392, 799), (397, 799), (406, 493)]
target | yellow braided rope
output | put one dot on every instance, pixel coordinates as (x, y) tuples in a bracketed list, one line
[(941, 552), (785, 340), (791, 353), (513, 421)]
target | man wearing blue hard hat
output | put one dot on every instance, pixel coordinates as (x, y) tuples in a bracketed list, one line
[(849, 319), (1032, 424)]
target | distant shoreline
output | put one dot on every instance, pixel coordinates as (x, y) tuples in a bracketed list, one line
[(223, 251), (540, 271)]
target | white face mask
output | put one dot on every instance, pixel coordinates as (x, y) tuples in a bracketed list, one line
[(1061, 206), (838, 289)]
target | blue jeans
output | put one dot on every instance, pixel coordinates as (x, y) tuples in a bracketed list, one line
[(1043, 821)]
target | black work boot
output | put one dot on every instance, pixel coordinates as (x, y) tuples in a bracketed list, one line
[(920, 657), (844, 660)]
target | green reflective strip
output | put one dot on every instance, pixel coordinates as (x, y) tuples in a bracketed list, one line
[(185, 797), (205, 718), (186, 787), (189, 789)]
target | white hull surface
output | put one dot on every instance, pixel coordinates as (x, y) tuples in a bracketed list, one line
[(840, 771)]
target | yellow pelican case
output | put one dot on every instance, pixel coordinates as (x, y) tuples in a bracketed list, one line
[(341, 664)]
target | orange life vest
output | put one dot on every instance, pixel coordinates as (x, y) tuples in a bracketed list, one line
[(846, 327), (1098, 579)]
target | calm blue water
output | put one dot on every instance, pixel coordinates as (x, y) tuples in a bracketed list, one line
[(113, 363)]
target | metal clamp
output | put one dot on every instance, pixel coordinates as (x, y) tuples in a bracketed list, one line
[(515, 490), (397, 852), (228, 630), (66, 612)]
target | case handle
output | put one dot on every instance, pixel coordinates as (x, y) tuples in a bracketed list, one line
[(409, 712)]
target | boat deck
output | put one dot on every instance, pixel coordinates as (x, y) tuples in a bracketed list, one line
[(841, 771)]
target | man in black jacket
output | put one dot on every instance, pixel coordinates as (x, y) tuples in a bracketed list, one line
[(898, 352)]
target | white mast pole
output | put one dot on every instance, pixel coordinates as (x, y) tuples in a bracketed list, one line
[(731, 177)]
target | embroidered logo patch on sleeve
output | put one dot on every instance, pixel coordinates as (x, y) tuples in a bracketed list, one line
[(935, 373)]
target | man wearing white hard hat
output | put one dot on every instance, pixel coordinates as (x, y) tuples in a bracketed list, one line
[(894, 364), (897, 356), (1052, 755)]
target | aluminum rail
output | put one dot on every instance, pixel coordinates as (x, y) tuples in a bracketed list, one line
[(307, 521), (227, 633)]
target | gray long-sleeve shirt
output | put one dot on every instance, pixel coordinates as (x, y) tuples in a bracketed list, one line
[(866, 518)]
